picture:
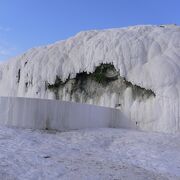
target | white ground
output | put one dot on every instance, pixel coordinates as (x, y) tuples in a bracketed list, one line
[(88, 154)]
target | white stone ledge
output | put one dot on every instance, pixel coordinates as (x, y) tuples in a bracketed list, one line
[(57, 115)]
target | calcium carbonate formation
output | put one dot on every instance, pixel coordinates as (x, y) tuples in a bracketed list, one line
[(134, 69)]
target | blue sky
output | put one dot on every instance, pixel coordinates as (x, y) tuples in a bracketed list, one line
[(29, 23)]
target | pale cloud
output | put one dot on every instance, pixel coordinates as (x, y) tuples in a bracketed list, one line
[(5, 29), (6, 52), (3, 52), (6, 48)]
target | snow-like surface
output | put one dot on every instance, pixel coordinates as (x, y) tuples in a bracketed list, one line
[(88, 155), (148, 56)]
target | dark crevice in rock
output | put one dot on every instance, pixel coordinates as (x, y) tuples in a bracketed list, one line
[(105, 76), (56, 86), (26, 84), (18, 76), (105, 73), (58, 83), (25, 63), (138, 90)]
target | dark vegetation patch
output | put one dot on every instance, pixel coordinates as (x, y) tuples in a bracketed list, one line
[(103, 76), (99, 75)]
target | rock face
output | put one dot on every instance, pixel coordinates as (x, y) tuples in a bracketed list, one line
[(134, 69), (88, 88)]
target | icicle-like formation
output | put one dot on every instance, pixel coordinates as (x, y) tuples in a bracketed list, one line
[(146, 56)]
